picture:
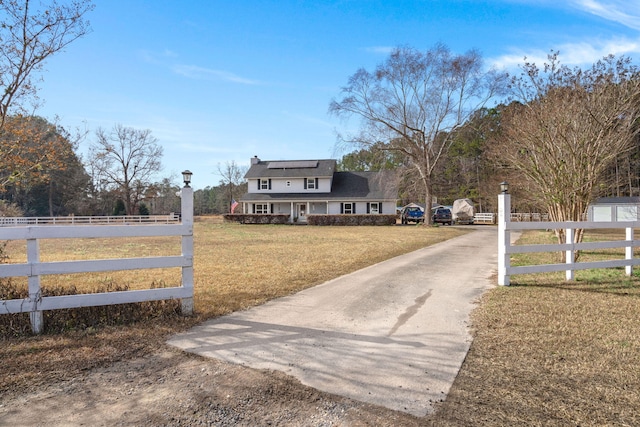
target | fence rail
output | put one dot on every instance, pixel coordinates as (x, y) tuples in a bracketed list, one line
[(33, 269), (90, 220), (505, 248), (484, 218), (528, 217)]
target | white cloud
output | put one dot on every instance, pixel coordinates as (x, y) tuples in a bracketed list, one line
[(201, 73), (577, 54), (625, 12), (385, 50), (169, 53)]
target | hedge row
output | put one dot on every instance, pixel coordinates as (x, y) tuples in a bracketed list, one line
[(313, 219), (257, 218), (351, 219)]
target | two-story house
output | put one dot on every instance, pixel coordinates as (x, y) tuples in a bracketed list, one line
[(304, 187)]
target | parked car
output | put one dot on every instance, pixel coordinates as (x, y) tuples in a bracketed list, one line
[(412, 214), (462, 211), (442, 216)]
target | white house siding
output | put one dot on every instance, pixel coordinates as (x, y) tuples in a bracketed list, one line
[(318, 208), (313, 207), (281, 208), (279, 185), (388, 208)]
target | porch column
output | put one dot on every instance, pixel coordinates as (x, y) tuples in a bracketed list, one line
[(293, 207)]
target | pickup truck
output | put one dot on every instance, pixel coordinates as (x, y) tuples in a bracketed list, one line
[(412, 214)]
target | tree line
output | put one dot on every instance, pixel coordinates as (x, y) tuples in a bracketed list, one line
[(47, 177), (558, 134)]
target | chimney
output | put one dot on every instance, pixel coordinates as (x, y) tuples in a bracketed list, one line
[(255, 160)]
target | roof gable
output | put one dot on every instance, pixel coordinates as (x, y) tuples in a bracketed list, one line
[(369, 185)]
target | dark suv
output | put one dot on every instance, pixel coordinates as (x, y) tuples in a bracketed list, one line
[(442, 216)]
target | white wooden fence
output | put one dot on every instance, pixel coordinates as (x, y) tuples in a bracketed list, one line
[(490, 217), (90, 220), (33, 269), (484, 218), (505, 248)]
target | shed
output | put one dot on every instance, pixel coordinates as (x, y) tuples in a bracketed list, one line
[(608, 209)]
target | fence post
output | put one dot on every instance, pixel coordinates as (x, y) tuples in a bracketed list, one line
[(569, 253), (504, 238), (187, 248), (35, 294), (628, 251)]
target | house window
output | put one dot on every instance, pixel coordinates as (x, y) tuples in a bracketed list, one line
[(348, 208), (311, 184), (264, 184), (288, 183), (262, 208), (374, 208)]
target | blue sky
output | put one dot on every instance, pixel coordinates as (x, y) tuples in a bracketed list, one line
[(221, 81)]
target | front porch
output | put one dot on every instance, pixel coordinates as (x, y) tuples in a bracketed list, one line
[(296, 211)]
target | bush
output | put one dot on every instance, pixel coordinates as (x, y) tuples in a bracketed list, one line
[(10, 209), (351, 219), (119, 208), (257, 218), (143, 210)]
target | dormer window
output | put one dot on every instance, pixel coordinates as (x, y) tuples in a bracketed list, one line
[(311, 183)]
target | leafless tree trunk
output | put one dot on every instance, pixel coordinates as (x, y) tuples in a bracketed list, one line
[(126, 159), (232, 176), (28, 36), (414, 101), (568, 129)]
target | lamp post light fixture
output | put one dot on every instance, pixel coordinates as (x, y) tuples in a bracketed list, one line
[(186, 177), (504, 187)]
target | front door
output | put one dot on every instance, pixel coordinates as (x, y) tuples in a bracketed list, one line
[(302, 212)]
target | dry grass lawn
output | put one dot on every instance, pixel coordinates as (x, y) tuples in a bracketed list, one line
[(545, 352), (552, 353), (236, 266)]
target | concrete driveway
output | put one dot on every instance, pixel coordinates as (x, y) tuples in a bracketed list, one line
[(394, 334)]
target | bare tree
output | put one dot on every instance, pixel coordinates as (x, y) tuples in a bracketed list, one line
[(415, 101), (232, 178), (567, 130), (125, 159), (28, 36)]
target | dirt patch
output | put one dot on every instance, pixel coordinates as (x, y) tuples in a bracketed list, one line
[(172, 388)]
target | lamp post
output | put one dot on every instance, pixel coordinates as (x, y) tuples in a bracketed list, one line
[(186, 177), (504, 187)]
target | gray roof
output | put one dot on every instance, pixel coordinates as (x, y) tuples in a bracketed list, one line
[(291, 169), (617, 201), (345, 186)]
